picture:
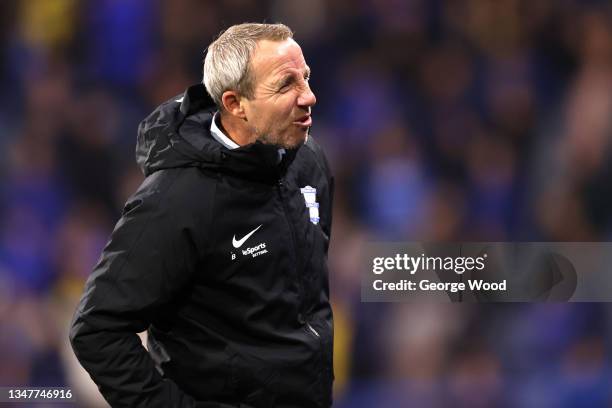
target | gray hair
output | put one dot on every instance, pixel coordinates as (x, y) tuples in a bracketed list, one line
[(227, 63)]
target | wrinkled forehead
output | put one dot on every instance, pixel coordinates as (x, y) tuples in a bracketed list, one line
[(272, 58)]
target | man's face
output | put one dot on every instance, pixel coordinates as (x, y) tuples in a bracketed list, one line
[(279, 112)]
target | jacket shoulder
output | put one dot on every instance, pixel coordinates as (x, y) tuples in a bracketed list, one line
[(186, 192)]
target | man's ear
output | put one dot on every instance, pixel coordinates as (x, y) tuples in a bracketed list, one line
[(232, 103)]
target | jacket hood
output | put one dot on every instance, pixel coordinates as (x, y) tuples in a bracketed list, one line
[(177, 134)]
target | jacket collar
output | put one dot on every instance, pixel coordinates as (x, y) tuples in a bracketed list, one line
[(254, 161)]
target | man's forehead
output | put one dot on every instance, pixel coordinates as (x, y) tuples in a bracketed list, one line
[(276, 56)]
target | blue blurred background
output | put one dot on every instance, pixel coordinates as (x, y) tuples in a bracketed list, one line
[(443, 120)]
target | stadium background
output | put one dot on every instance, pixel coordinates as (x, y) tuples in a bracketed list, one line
[(443, 120)]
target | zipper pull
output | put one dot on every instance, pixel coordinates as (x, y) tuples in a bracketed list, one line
[(313, 330)]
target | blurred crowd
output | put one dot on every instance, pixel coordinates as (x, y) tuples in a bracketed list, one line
[(473, 120)]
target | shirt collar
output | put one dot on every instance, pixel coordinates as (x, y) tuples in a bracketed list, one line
[(220, 136), (229, 143)]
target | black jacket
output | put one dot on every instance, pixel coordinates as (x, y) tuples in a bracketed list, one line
[(227, 327)]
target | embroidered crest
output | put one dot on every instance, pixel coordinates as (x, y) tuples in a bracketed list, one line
[(310, 197)]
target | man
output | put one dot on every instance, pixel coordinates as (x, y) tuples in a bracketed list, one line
[(221, 253)]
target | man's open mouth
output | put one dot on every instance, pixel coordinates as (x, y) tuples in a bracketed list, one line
[(305, 121)]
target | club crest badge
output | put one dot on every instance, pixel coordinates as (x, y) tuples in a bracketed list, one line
[(310, 197)]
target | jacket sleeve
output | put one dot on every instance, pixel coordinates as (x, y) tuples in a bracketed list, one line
[(148, 259)]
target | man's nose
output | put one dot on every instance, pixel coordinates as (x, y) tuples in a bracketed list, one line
[(307, 97)]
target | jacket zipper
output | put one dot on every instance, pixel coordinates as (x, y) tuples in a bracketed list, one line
[(299, 280), (293, 240)]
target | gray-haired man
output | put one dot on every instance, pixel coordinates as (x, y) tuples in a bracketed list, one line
[(221, 254)]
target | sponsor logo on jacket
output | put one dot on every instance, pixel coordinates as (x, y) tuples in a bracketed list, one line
[(254, 251)]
